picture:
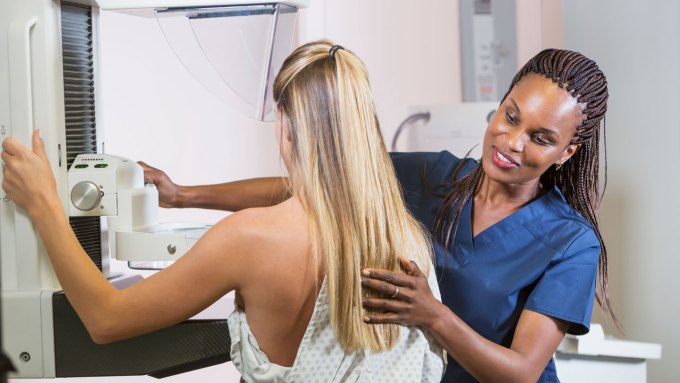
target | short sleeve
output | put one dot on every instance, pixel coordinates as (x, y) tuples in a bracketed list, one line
[(425, 178), (412, 168), (567, 287)]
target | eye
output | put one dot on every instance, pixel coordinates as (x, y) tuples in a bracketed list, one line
[(511, 118), (539, 139)]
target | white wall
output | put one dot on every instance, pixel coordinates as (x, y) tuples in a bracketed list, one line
[(636, 43), (411, 49), (539, 26)]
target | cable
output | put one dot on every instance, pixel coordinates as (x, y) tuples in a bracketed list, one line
[(5, 364), (425, 116), (5, 367)]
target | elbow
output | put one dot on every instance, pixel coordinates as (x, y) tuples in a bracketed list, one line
[(101, 338), (512, 378), (104, 332), (522, 374), (517, 373), (104, 324), (527, 375)]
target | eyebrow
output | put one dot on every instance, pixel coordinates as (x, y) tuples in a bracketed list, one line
[(548, 132)]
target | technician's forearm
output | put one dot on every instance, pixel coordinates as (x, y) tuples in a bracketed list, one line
[(234, 196), (482, 358)]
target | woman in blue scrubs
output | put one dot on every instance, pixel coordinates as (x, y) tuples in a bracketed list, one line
[(517, 236), (517, 239)]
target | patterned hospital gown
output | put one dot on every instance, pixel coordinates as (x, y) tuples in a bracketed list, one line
[(415, 358)]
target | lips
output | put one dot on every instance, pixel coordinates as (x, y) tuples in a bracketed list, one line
[(503, 160)]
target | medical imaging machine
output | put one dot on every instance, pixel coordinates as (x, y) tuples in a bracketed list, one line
[(48, 80)]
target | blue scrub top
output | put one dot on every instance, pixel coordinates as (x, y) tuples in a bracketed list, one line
[(541, 258)]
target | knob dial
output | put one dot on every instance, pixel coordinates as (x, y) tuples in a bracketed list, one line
[(85, 196)]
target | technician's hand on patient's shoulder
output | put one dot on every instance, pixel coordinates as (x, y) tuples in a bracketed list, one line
[(27, 175), (168, 191), (412, 304)]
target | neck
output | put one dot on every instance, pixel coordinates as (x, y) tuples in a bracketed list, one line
[(497, 193)]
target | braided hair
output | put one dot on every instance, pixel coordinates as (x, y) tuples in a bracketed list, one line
[(576, 178)]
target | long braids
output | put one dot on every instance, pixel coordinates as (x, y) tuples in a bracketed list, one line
[(578, 177)]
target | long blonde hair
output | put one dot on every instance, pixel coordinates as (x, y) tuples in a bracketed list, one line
[(343, 173)]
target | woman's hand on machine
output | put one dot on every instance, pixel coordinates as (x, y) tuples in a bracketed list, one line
[(168, 191), (407, 299), (27, 176)]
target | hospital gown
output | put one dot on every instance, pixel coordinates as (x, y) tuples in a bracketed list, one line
[(415, 357)]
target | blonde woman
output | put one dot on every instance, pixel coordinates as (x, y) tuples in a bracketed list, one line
[(296, 266)]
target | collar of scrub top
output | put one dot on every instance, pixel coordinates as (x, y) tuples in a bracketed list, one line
[(464, 245)]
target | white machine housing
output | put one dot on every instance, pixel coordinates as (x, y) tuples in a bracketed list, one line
[(112, 186), (108, 174), (595, 357), (33, 94)]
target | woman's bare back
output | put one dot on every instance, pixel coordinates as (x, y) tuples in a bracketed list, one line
[(279, 294)]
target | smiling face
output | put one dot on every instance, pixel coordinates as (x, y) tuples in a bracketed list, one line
[(531, 131)]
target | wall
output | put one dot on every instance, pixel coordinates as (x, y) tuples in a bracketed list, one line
[(636, 43), (411, 49)]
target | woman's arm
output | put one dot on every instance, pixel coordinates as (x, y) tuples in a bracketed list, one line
[(230, 196), (535, 340), (199, 278)]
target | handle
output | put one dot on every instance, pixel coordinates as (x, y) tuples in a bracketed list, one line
[(21, 111), (20, 85)]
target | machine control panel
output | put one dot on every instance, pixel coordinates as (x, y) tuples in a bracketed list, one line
[(94, 181)]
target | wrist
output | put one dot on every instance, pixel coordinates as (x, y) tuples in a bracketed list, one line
[(45, 207), (181, 197), (437, 320)]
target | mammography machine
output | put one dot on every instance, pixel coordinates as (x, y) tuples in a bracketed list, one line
[(48, 80)]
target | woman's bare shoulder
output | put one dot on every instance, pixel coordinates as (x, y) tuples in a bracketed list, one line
[(261, 229)]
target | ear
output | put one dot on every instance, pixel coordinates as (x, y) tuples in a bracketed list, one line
[(286, 130), (285, 125), (568, 152)]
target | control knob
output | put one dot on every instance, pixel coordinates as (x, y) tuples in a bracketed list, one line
[(86, 196)]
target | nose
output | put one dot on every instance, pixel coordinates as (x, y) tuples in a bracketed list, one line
[(516, 140)]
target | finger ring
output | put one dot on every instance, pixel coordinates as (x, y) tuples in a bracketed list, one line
[(396, 292)]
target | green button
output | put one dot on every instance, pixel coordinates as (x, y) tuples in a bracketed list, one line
[(82, 166), (101, 166)]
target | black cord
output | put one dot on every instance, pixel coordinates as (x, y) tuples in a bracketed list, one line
[(5, 367), (5, 364), (425, 116)]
